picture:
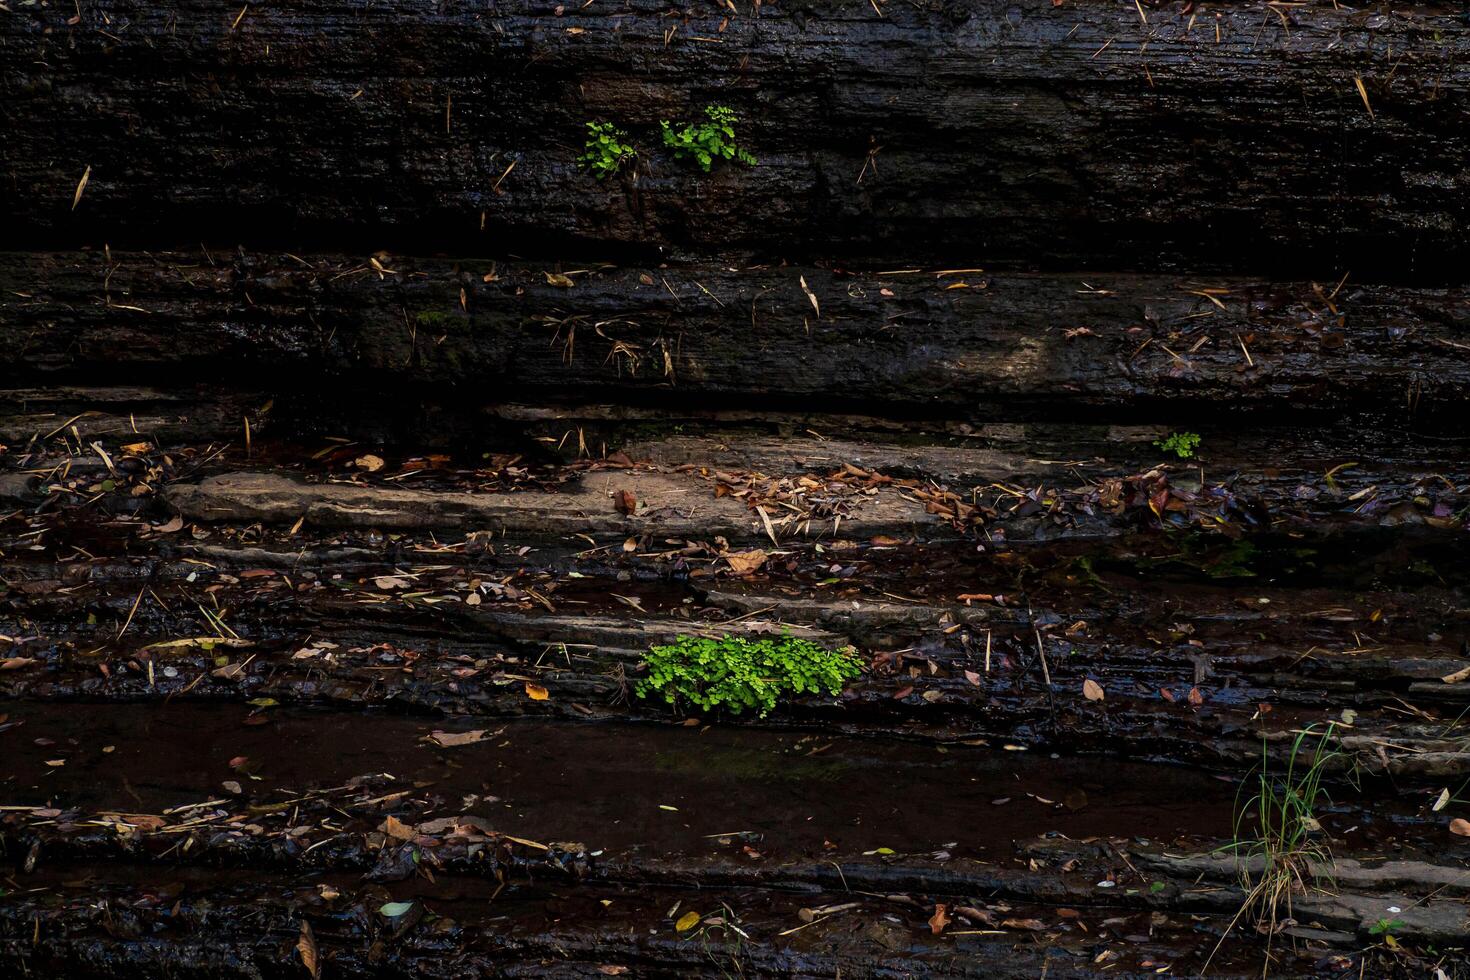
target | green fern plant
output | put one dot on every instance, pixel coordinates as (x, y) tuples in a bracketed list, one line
[(735, 673), (607, 149), (706, 142), (1181, 444)]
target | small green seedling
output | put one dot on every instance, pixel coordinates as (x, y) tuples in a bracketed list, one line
[(1182, 444), (1385, 927), (737, 673), (607, 150), (706, 142)]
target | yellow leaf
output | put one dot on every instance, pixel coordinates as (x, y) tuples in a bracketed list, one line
[(536, 692), (688, 921), (557, 279)]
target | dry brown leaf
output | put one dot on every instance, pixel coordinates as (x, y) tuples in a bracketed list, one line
[(611, 970), (938, 920), (143, 821), (536, 692), (447, 740), (1030, 925), (16, 663), (394, 827), (81, 186), (1457, 676), (369, 462), (980, 917), (306, 946), (1460, 827), (1092, 690), (625, 502), (229, 672), (810, 295), (746, 562), (557, 279)]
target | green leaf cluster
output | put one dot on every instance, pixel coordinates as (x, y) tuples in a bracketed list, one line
[(1385, 927), (706, 142), (737, 673), (607, 149), (1182, 444)]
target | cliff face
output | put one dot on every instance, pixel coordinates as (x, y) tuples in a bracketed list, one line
[(1096, 370)]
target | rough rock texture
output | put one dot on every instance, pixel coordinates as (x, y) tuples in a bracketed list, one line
[(962, 344), (341, 411), (1085, 134)]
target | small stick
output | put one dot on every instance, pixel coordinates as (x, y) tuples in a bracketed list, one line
[(987, 651), (1041, 649)]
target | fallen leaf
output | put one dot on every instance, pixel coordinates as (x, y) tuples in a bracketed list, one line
[(142, 821), (16, 663), (810, 295), (557, 279), (56, 763), (306, 946), (1443, 800), (394, 827), (536, 692), (980, 917), (608, 969), (1457, 676), (1030, 925), (746, 562), (1092, 690), (625, 502), (231, 786), (938, 920), (81, 186), (687, 921), (369, 462), (229, 672), (446, 740), (1460, 827), (394, 909)]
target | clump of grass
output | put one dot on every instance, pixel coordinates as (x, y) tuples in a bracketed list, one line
[(1181, 444), (735, 673), (1286, 854)]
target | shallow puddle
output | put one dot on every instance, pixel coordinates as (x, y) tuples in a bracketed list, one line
[(655, 790)]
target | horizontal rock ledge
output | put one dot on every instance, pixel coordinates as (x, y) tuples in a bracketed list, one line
[(336, 331)]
